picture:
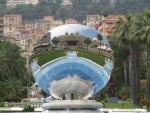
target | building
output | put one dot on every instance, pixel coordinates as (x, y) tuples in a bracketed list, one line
[(1, 27), (44, 24), (11, 22), (43, 44), (71, 21), (92, 20), (112, 1), (66, 2), (13, 3), (71, 40), (9, 38), (95, 0), (23, 39), (15, 32), (106, 25)]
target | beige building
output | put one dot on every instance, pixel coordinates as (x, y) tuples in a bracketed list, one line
[(71, 40), (106, 25), (92, 20), (13, 3), (11, 22), (71, 21), (23, 39), (10, 38), (44, 24), (22, 36), (15, 32)]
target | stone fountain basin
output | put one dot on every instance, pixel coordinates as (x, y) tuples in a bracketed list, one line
[(72, 104)]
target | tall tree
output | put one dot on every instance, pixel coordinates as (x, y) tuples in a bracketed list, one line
[(134, 60), (123, 33), (142, 31), (87, 41), (122, 49)]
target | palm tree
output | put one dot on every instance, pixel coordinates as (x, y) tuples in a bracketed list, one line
[(142, 31), (134, 61), (121, 53), (12, 66), (122, 50), (123, 35), (87, 41)]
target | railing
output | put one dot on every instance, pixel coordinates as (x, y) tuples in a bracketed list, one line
[(123, 110), (23, 104)]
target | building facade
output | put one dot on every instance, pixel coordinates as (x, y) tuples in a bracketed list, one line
[(71, 21), (66, 2), (44, 24), (92, 20), (10, 38), (11, 22), (106, 25), (71, 40), (23, 39)]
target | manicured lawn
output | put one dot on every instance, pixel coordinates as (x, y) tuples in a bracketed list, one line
[(121, 104), (48, 56), (92, 56)]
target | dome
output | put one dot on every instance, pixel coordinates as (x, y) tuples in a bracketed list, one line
[(76, 28)]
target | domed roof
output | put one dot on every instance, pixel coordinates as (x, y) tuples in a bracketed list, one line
[(76, 28)]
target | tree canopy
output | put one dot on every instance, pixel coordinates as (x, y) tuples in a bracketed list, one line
[(13, 73), (78, 10)]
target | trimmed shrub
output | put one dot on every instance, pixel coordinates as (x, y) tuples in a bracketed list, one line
[(28, 108), (2, 104), (145, 102)]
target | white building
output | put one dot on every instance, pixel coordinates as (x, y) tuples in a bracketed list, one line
[(13, 3), (92, 20), (66, 2)]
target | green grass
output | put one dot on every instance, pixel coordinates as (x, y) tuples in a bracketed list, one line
[(48, 56), (121, 105), (92, 56)]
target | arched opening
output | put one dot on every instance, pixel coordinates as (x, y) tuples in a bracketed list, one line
[(72, 95)]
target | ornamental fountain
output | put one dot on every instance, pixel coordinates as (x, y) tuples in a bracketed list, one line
[(71, 81)]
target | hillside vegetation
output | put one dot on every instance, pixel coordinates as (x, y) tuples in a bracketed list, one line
[(78, 10)]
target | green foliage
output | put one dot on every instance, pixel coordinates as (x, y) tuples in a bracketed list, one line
[(48, 56), (13, 73), (87, 41), (2, 6), (2, 104), (102, 95), (55, 40), (132, 32), (78, 10), (121, 104), (92, 56), (3, 2), (123, 93), (145, 102), (28, 108), (11, 62)]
